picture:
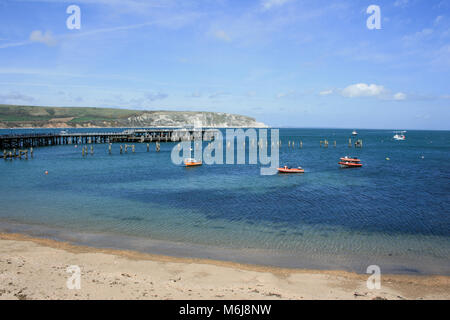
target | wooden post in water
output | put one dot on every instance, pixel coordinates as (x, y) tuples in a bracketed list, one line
[(92, 150), (82, 151), (31, 152), (4, 154), (121, 149), (349, 142), (157, 147), (321, 143), (301, 144), (132, 148), (126, 148), (148, 147), (335, 143), (109, 148)]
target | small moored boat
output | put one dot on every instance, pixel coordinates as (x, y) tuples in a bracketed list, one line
[(399, 136), (191, 162), (286, 169), (347, 162)]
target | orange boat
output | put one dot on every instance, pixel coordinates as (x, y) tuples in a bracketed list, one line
[(192, 162), (347, 162), (291, 170)]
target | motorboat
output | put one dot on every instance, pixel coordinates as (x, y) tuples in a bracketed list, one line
[(191, 162), (286, 169), (347, 162), (399, 136)]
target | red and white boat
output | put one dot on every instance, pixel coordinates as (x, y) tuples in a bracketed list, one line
[(347, 162), (286, 169)]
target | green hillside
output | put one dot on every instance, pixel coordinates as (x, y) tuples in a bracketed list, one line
[(31, 113), (17, 116)]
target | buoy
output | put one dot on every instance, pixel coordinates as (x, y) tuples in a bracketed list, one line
[(46, 172), (423, 157), (388, 158)]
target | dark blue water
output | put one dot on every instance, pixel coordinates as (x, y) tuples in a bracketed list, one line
[(394, 213)]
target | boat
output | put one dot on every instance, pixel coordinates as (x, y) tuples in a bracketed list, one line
[(399, 136), (354, 133), (347, 162), (191, 162), (286, 169)]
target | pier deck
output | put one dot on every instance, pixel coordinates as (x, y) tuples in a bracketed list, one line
[(18, 141)]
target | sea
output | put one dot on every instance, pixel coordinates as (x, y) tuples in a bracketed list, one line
[(394, 212)]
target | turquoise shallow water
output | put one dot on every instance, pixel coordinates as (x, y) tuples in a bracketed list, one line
[(392, 213)]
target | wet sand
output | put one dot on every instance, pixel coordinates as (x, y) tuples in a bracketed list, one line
[(35, 268)]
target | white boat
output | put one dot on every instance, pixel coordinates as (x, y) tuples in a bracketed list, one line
[(399, 136), (354, 133)]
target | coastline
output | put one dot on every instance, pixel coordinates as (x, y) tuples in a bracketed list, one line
[(35, 268)]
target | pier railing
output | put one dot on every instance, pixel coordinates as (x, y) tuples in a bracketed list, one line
[(25, 140)]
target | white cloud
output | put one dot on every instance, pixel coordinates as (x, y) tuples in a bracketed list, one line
[(45, 38), (437, 20), (401, 3), (268, 4), (15, 96), (363, 90), (418, 36), (194, 95), (399, 96), (156, 96), (367, 90), (222, 35), (285, 94), (218, 94), (325, 92)]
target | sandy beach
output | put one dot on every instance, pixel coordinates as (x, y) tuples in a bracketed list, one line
[(33, 268)]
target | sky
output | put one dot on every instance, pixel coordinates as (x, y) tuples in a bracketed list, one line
[(288, 63)]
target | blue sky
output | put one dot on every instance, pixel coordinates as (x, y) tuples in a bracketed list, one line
[(299, 63)]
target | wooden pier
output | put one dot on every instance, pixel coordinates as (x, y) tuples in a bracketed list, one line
[(21, 141)]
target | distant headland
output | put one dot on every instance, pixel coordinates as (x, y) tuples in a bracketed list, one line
[(19, 116)]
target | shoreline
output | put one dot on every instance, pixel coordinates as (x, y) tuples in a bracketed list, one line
[(109, 270), (278, 259)]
